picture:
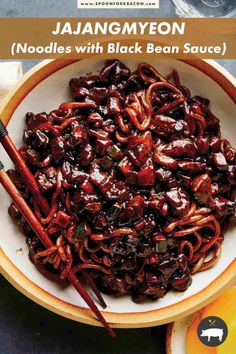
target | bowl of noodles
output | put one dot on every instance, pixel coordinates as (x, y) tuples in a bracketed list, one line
[(137, 164)]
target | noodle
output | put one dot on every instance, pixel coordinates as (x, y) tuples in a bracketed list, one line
[(139, 182)]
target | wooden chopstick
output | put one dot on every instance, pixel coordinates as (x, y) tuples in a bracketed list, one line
[(23, 207), (21, 167), (31, 183), (93, 286)]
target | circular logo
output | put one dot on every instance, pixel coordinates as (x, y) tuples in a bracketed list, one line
[(212, 331)]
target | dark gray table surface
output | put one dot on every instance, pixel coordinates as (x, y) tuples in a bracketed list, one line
[(27, 328)]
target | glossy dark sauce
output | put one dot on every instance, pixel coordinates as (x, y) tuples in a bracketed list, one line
[(122, 174)]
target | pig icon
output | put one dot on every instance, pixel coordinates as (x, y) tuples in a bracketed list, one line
[(213, 332)]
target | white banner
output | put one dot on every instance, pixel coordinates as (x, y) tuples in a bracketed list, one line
[(118, 4)]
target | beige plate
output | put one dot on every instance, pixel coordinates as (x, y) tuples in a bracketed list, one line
[(43, 89), (176, 335)]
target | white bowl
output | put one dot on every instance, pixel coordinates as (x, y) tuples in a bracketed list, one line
[(44, 88)]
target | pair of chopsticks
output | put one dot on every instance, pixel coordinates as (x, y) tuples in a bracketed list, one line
[(25, 210)]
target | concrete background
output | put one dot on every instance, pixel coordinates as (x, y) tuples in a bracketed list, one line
[(26, 328)]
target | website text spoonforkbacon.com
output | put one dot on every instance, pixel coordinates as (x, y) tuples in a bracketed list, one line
[(120, 36)]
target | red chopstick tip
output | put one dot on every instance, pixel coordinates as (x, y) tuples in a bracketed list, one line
[(84, 294), (93, 286), (112, 333)]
